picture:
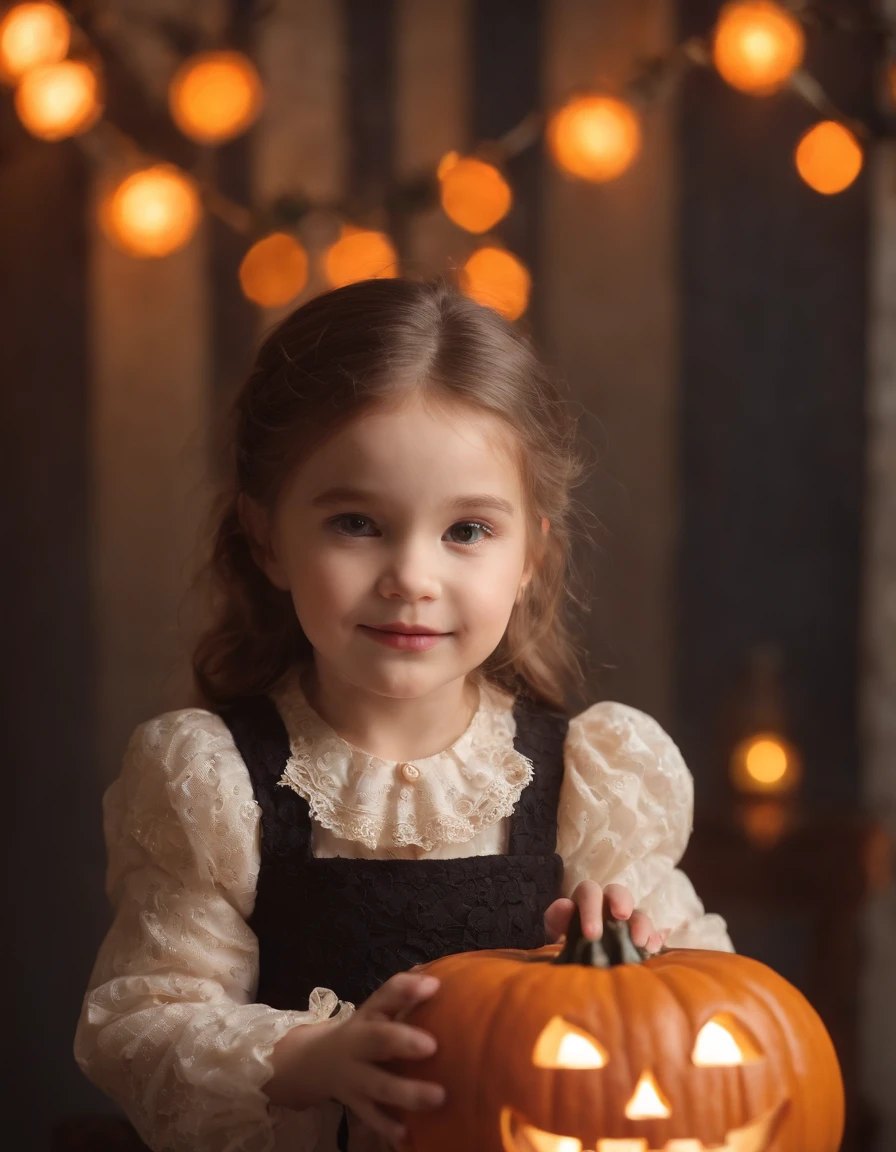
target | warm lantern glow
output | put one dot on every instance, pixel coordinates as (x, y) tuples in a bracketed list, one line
[(765, 820), (497, 279), (360, 254), (758, 46), (32, 35), (274, 270), (563, 1045), (647, 1103), (594, 137), (765, 762), (722, 1042), (58, 100), (829, 157), (215, 96), (474, 194), (153, 212)]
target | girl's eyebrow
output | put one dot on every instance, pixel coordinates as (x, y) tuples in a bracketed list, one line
[(333, 496)]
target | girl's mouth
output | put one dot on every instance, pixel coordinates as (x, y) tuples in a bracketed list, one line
[(404, 641)]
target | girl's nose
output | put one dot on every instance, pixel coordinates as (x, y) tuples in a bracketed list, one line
[(410, 574)]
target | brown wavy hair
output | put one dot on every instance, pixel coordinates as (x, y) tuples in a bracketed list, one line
[(331, 359)]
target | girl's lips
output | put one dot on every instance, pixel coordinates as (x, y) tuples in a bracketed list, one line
[(406, 641)]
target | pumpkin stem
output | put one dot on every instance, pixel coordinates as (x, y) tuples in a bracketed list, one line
[(614, 947)]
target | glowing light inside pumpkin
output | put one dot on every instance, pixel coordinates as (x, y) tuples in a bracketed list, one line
[(562, 1045), (647, 1103), (722, 1042), (635, 1145)]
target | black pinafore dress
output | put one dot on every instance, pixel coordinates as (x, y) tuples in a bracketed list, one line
[(350, 924)]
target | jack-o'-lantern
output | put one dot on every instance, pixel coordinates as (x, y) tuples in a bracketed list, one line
[(599, 1046)]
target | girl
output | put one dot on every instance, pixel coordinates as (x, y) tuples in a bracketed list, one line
[(383, 770)]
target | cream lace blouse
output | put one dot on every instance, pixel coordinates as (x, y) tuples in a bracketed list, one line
[(168, 1026)]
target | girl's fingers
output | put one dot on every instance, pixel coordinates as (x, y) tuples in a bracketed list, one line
[(590, 898), (655, 943), (557, 917), (619, 901), (641, 929), (385, 1040), (378, 1120), (399, 993), (401, 1092)]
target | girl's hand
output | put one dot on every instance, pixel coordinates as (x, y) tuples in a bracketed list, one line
[(343, 1062), (594, 902)]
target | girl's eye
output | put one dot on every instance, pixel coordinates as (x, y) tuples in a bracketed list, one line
[(352, 524)]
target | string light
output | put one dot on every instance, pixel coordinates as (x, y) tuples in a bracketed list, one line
[(54, 101), (757, 46), (473, 193), (594, 137), (496, 278), (274, 270), (215, 96), (829, 157), (32, 35), (152, 212), (765, 763), (360, 254)]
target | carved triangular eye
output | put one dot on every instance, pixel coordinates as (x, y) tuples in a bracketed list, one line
[(724, 1042), (563, 1045)]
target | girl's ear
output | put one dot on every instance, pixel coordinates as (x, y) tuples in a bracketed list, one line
[(528, 571), (255, 523)]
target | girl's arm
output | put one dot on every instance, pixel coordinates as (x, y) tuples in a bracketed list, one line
[(168, 1027), (625, 817)]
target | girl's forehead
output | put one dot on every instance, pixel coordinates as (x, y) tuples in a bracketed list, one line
[(416, 447)]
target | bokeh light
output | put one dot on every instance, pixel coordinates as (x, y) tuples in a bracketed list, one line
[(360, 254), (215, 96), (829, 157), (594, 137), (274, 270), (757, 46), (152, 212), (473, 193), (58, 100), (498, 279), (32, 35)]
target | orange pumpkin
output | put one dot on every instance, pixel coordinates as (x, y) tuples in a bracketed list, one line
[(597, 1046)]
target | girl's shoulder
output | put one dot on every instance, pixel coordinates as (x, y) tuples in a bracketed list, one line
[(613, 740)]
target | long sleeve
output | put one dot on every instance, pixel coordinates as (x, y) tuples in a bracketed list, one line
[(168, 1027), (625, 816)]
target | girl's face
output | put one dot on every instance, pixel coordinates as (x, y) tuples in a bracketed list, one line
[(406, 516)]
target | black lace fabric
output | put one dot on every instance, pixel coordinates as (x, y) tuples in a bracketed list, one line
[(372, 918)]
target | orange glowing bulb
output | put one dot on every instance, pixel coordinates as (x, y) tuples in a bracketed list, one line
[(757, 46), (765, 762), (360, 254), (496, 278), (829, 157), (274, 270), (152, 212), (474, 194), (58, 100), (594, 137), (32, 35), (215, 96)]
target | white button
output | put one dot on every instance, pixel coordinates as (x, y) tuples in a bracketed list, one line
[(410, 771)]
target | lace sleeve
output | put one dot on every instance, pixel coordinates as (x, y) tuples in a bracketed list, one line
[(625, 816), (167, 1026)]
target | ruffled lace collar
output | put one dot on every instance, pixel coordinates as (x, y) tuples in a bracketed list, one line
[(358, 796)]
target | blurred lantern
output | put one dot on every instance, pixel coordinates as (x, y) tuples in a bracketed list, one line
[(757, 46), (152, 212), (58, 100), (274, 270), (474, 194), (765, 821), (31, 35), (594, 137), (496, 278), (766, 763), (360, 254), (829, 157), (215, 96)]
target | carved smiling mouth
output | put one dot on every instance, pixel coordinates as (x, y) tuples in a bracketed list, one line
[(518, 1136)]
